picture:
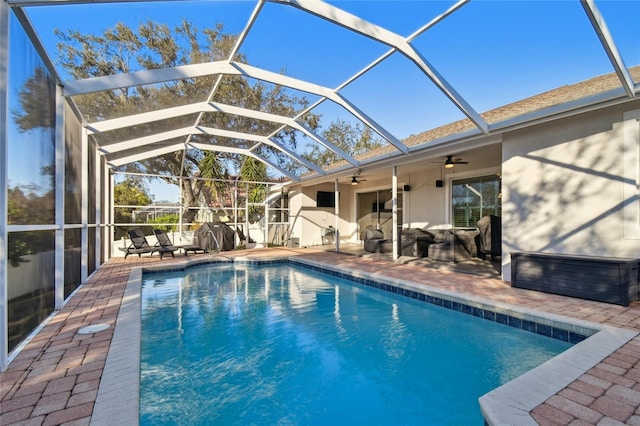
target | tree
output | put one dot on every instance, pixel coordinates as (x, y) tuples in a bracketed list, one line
[(254, 171), (130, 192), (28, 207), (152, 46), (354, 139), (37, 100)]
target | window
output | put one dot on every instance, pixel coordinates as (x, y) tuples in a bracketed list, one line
[(474, 198)]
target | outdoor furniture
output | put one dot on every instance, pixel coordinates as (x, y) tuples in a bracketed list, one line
[(490, 236), (415, 242), (165, 242), (373, 238), (140, 245), (453, 245), (604, 279), (243, 239), (215, 236)]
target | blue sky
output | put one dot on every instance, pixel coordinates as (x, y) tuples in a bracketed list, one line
[(491, 52)]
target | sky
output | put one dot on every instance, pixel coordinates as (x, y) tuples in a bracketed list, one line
[(491, 52)]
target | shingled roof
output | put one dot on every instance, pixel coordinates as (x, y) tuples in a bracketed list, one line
[(559, 96)]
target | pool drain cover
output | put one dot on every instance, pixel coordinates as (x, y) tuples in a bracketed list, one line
[(90, 329)]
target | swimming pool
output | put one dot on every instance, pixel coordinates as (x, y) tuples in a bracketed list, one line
[(284, 344)]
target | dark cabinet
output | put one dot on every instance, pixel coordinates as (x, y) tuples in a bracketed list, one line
[(604, 279)]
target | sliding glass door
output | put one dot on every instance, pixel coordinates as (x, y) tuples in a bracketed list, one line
[(374, 211), (474, 198)]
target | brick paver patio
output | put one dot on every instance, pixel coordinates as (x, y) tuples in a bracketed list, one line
[(55, 379)]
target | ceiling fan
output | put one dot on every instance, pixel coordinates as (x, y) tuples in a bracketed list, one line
[(450, 162), (355, 180)]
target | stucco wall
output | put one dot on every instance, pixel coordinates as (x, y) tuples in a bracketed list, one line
[(309, 220), (564, 188), (424, 203)]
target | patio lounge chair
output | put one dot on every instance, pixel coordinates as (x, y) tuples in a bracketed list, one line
[(243, 239), (490, 237), (139, 245), (165, 242), (373, 239)]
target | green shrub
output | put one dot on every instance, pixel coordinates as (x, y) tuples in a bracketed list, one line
[(169, 218)]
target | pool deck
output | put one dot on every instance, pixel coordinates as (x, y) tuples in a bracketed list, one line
[(55, 379)]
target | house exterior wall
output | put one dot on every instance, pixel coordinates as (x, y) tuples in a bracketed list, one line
[(566, 188), (424, 203), (308, 221)]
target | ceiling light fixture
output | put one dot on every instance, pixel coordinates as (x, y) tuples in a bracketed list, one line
[(354, 181), (449, 163)]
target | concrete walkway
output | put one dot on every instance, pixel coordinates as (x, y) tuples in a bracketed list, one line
[(55, 379)]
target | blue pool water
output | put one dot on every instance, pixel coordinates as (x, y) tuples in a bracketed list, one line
[(281, 344)]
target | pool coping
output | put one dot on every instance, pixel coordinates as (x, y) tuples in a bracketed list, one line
[(117, 401)]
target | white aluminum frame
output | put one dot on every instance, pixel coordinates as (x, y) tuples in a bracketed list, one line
[(328, 13), (4, 117), (59, 200)]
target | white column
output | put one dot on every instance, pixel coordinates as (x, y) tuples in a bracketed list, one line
[(59, 191), (266, 223), (179, 209), (84, 212), (246, 214), (99, 179), (4, 61), (236, 237), (394, 211), (336, 223), (107, 204)]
